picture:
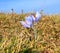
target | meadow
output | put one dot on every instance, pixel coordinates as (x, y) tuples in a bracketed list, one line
[(16, 39)]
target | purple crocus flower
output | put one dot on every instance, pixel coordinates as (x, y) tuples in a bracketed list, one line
[(30, 20)]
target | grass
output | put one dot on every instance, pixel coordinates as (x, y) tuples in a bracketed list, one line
[(16, 39)]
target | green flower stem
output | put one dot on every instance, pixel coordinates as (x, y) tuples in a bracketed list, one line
[(35, 34)]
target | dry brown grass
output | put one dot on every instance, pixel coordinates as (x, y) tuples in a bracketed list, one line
[(16, 39)]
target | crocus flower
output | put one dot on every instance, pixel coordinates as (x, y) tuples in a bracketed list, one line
[(30, 20), (27, 23)]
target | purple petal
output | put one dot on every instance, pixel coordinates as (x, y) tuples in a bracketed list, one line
[(29, 20), (24, 24), (38, 15)]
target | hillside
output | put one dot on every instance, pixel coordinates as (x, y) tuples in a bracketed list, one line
[(16, 39)]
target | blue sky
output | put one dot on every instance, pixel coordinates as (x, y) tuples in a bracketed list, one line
[(49, 6)]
